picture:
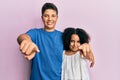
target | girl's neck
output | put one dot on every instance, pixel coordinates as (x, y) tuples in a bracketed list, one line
[(69, 52)]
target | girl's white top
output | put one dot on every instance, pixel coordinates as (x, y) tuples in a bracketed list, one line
[(74, 67)]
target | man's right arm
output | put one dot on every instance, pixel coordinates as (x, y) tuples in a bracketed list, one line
[(27, 46)]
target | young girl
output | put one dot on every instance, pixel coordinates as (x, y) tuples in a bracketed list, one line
[(74, 66)]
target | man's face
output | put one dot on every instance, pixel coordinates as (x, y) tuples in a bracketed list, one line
[(74, 43), (49, 19)]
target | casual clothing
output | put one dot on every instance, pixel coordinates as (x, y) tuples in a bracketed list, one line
[(74, 67), (46, 65)]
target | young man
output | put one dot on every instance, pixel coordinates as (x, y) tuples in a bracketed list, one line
[(44, 47)]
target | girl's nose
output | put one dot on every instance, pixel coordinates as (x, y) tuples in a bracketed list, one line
[(75, 44)]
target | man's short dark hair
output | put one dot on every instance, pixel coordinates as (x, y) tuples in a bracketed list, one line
[(49, 6)]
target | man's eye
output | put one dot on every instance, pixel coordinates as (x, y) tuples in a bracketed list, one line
[(53, 15), (45, 15)]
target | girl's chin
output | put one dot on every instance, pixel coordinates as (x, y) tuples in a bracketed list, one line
[(74, 50)]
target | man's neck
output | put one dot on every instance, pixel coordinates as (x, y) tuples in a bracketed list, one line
[(49, 30)]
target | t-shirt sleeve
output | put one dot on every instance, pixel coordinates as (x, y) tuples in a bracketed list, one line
[(32, 33)]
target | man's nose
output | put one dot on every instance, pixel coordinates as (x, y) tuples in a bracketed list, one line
[(49, 18)]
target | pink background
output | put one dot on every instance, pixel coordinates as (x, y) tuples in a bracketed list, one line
[(100, 18)]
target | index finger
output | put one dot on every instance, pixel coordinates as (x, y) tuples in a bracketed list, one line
[(22, 45), (83, 49)]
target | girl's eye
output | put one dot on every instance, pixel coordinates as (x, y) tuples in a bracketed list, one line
[(71, 40)]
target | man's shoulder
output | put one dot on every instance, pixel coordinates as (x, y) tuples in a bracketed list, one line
[(36, 29), (58, 31)]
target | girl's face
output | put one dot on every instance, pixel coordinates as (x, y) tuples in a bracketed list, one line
[(74, 43), (49, 19)]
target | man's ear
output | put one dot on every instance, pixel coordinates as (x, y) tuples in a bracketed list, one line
[(41, 17)]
